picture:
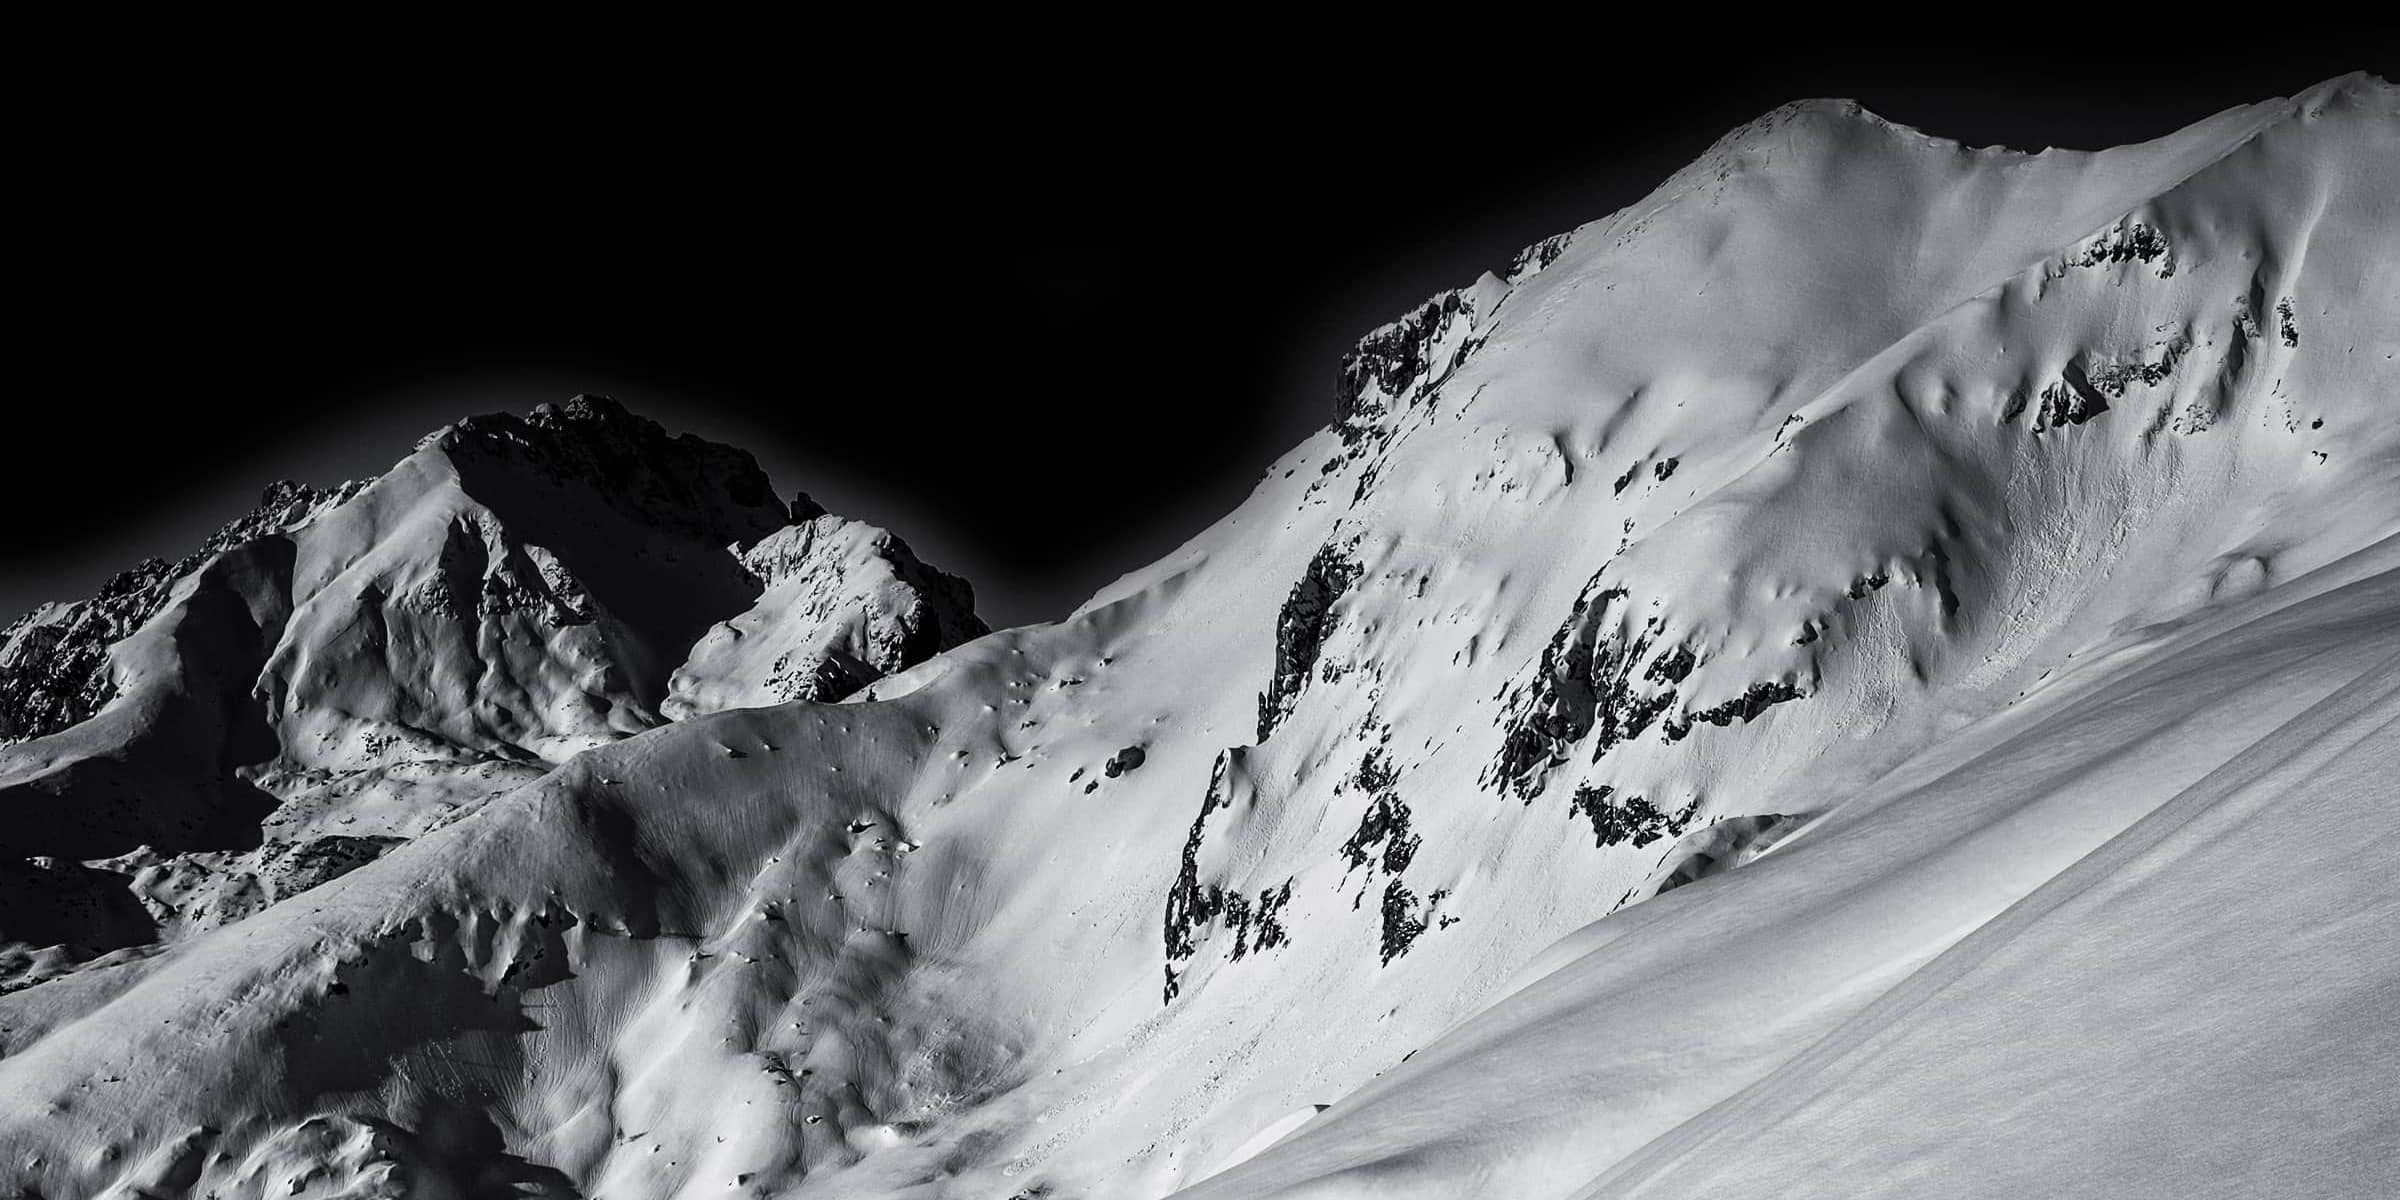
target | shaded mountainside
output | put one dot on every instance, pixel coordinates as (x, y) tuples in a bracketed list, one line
[(54, 660), (1868, 672)]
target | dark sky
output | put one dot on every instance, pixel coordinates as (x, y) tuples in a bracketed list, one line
[(1044, 318)]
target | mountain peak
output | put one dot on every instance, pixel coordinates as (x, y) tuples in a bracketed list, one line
[(585, 406), (629, 462)]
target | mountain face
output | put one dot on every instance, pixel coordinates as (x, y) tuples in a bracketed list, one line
[(1873, 671), (844, 604), (337, 672)]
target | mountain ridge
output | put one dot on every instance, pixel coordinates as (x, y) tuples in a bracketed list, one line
[(1678, 665), (340, 671)]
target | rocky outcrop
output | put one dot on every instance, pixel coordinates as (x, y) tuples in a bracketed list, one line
[(1196, 905), (1755, 699), (1301, 627), (1618, 821), (1396, 362), (844, 604), (1594, 675), (1383, 831), (2132, 241), (1191, 904)]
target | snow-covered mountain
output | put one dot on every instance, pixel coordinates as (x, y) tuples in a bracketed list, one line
[(337, 672), (1871, 672)]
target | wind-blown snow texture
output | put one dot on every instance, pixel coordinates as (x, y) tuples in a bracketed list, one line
[(1874, 671)]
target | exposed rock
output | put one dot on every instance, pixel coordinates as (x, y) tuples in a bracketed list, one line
[(1403, 921), (1538, 256), (1300, 631), (2112, 378), (1632, 819), (1383, 838), (2070, 401), (1753, 701), (844, 604), (1193, 905), (1190, 904), (1593, 675), (2131, 242), (1393, 364), (1123, 761)]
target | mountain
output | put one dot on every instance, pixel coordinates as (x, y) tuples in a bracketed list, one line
[(1872, 671), (340, 671)]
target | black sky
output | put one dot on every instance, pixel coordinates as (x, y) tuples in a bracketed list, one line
[(1044, 318)]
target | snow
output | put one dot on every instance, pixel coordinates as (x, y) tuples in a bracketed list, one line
[(845, 603), (1979, 523), (361, 669)]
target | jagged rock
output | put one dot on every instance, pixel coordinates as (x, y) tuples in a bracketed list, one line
[(1403, 922), (1632, 819), (2132, 242), (1593, 675), (1383, 838), (844, 604), (1754, 700), (1300, 631), (1124, 761), (1190, 904), (2070, 401), (1393, 363)]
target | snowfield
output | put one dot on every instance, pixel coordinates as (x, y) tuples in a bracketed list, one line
[(1874, 671)]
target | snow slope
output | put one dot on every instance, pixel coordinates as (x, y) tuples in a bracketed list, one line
[(1869, 672), (2121, 915)]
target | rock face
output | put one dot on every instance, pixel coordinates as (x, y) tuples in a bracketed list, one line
[(339, 671), (1300, 631), (1736, 705), (844, 605)]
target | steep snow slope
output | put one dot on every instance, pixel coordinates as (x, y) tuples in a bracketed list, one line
[(337, 672), (2159, 854), (1955, 587)]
